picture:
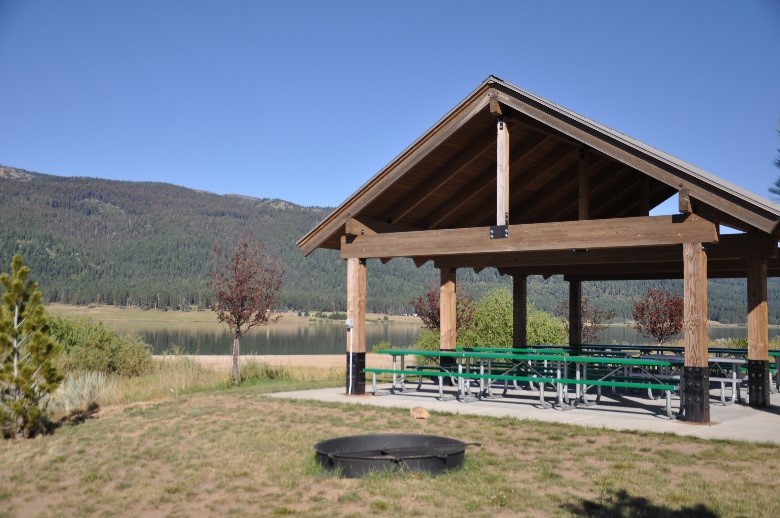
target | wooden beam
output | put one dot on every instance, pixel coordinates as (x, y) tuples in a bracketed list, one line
[(684, 201), (695, 305), (644, 196), (356, 305), (447, 309), (363, 226), (603, 182), (729, 246), (696, 372), (567, 235), (470, 191), (502, 173), (495, 106), (758, 323), (440, 177), (519, 311), (551, 163), (575, 312), (653, 164), (584, 186)]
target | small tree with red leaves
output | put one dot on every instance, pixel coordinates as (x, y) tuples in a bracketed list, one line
[(427, 308), (658, 314), (245, 282)]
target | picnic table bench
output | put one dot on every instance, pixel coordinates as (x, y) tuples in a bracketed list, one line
[(536, 369)]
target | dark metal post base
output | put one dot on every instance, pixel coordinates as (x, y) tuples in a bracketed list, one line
[(358, 373), (697, 394), (758, 383)]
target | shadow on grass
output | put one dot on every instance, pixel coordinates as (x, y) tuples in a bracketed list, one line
[(622, 504), (74, 418)]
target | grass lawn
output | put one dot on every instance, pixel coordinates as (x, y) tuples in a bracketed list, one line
[(236, 451)]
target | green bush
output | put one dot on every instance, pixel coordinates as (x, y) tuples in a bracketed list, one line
[(427, 340), (492, 325), (544, 328), (92, 347)]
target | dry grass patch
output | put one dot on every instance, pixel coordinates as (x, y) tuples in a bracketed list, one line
[(236, 451)]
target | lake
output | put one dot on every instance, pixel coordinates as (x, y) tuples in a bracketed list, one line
[(326, 337)]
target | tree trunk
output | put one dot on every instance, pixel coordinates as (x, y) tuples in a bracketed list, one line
[(236, 373)]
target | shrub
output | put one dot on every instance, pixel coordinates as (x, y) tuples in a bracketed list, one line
[(543, 328), (493, 326), (427, 340), (92, 347), (81, 392)]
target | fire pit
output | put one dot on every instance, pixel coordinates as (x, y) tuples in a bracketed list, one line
[(357, 455)]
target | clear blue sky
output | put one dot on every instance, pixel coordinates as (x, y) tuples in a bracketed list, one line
[(305, 101)]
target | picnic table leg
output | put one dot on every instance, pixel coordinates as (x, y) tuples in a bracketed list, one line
[(561, 389), (403, 376), (542, 402), (669, 404), (584, 388)]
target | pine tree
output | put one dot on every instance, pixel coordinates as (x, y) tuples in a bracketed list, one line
[(27, 353)]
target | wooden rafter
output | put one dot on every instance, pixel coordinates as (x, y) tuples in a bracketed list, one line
[(466, 157), (470, 191), (553, 161)]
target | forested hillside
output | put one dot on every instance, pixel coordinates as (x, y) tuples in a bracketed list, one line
[(148, 244)]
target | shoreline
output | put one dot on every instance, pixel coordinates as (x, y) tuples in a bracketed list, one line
[(321, 361)]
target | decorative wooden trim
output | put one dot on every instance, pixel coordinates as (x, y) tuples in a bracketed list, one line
[(566, 235)]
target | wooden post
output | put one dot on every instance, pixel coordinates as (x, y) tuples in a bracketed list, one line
[(447, 309), (519, 313), (696, 373), (356, 335), (644, 197), (502, 173), (584, 199), (758, 333), (575, 313)]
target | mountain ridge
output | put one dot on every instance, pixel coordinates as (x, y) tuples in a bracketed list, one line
[(148, 244)]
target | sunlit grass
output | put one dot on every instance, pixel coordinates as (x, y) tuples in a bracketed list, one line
[(233, 450)]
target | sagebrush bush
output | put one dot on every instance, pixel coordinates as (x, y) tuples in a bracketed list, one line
[(80, 392), (92, 347)]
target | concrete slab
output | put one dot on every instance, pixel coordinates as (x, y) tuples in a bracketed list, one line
[(631, 412)]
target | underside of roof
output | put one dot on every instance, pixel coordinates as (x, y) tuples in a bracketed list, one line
[(447, 178)]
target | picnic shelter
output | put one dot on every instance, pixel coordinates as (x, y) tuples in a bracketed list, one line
[(510, 180)]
